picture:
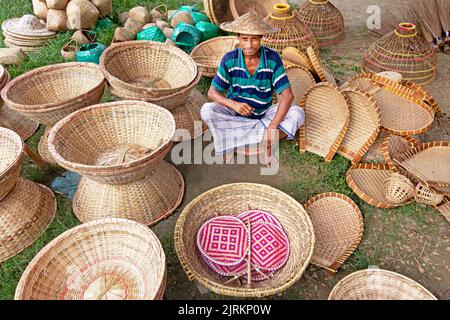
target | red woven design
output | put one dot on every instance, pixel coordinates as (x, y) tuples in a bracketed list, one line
[(258, 216)]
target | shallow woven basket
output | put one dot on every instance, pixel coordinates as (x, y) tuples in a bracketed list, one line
[(324, 20), (133, 65), (11, 157), (398, 189), (170, 102), (293, 33), (402, 51), (208, 54), (367, 181), (394, 146), (148, 201), (426, 195), (50, 93), (377, 284), (18, 123), (234, 198), (338, 227), (218, 11), (188, 119), (77, 141), (363, 127), (325, 126), (429, 162), (107, 259), (320, 69), (401, 113), (422, 94), (297, 57), (301, 81), (25, 213), (261, 7)]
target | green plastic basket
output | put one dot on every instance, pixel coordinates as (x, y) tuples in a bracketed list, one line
[(208, 30), (188, 9), (198, 16), (152, 34), (186, 34)]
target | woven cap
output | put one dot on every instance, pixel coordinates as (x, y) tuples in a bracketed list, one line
[(251, 24), (28, 25)]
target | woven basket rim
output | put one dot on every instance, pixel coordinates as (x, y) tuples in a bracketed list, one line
[(50, 68), (172, 50), (65, 163), (317, 65), (20, 146), (239, 292), (346, 254), (385, 148), (207, 42), (381, 272), (236, 14), (53, 243)]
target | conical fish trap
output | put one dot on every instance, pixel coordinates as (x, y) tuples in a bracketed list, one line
[(293, 32), (405, 52), (324, 20)]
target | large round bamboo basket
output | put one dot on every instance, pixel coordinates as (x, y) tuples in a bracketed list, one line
[(234, 198), (208, 54), (377, 284), (147, 67), (261, 7), (108, 259), (11, 157), (218, 11), (293, 32), (80, 140)]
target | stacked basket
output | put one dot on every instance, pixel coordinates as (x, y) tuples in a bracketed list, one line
[(50, 93), (118, 148), (157, 73), (26, 208)]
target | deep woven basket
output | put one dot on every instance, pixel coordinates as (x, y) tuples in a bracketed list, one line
[(234, 198), (324, 20), (11, 157), (376, 284), (103, 260), (77, 141), (208, 54), (426, 195), (218, 11), (137, 66), (50, 93), (398, 189), (18, 123), (261, 7)]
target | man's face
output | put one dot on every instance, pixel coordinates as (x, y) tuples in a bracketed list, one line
[(249, 44)]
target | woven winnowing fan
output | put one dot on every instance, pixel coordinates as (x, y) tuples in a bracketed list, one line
[(293, 33), (324, 20), (405, 52)]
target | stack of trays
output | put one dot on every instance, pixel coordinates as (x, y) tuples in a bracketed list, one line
[(27, 33)]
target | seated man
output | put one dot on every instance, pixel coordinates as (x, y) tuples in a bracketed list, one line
[(249, 75)]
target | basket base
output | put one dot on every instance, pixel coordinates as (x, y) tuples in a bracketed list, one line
[(147, 201)]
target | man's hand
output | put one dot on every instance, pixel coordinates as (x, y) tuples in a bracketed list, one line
[(242, 108), (271, 136)]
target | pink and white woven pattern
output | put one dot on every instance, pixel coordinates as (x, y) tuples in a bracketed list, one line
[(223, 240), (259, 216)]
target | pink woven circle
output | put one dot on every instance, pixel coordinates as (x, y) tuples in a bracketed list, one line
[(259, 216), (270, 246), (223, 240), (227, 271)]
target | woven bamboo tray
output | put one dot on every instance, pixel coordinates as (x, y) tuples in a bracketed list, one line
[(148, 67), (324, 20), (261, 7), (11, 157), (338, 227), (444, 208), (234, 198), (375, 153), (377, 284), (325, 125), (170, 102), (25, 213), (393, 146), (301, 81), (108, 259), (43, 150), (401, 113), (188, 119), (367, 181), (208, 54), (297, 57), (429, 162), (363, 127), (422, 94), (79, 140), (321, 70), (148, 201), (218, 11)]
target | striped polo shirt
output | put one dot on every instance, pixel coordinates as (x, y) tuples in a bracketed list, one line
[(257, 90)]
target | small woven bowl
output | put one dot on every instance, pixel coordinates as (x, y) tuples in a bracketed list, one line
[(79, 140), (239, 197), (107, 259), (428, 196), (11, 156), (398, 189)]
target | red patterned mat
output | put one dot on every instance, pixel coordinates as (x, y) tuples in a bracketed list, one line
[(258, 216)]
